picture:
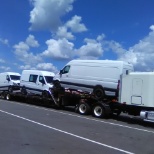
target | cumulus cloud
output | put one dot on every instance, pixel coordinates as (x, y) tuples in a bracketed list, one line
[(59, 49), (41, 66), (75, 25), (4, 68), (25, 67), (62, 32), (4, 41), (47, 66), (142, 53), (72, 26), (47, 14), (22, 51), (2, 61), (31, 41), (92, 50)]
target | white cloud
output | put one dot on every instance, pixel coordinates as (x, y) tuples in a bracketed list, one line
[(22, 51), (31, 41), (92, 49), (4, 41), (59, 49), (152, 27), (63, 33), (4, 68), (26, 67), (47, 66), (41, 66), (47, 14), (75, 25), (142, 53), (2, 61), (71, 26)]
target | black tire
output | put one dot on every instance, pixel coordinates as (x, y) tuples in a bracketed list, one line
[(98, 92), (3, 95), (98, 111), (23, 91), (84, 108), (8, 96)]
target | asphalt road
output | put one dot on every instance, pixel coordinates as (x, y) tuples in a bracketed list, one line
[(30, 129)]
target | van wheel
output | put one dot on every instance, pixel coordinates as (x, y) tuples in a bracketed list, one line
[(99, 111), (84, 108), (98, 92), (23, 91)]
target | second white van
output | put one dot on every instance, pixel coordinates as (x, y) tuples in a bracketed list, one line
[(9, 81), (36, 82), (99, 77)]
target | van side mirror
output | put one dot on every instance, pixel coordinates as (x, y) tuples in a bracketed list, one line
[(7, 78), (61, 71)]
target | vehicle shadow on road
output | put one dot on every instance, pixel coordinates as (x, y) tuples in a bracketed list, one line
[(134, 120)]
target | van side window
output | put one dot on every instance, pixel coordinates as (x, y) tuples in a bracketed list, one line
[(33, 78), (66, 69)]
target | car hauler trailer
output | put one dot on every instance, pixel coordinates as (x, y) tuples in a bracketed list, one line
[(84, 102), (136, 95)]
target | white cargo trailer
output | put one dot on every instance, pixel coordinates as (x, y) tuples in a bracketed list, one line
[(137, 94)]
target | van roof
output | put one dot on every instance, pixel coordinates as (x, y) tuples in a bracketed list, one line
[(38, 71), (98, 61), (10, 73)]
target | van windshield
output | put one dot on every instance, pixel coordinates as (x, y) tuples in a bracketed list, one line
[(49, 79), (14, 77)]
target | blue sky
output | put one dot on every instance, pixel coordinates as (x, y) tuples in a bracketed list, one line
[(46, 34)]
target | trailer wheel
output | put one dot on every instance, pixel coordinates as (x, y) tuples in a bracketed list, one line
[(98, 92), (8, 96), (84, 108), (3, 94), (99, 111)]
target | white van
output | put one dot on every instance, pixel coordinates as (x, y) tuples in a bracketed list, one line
[(9, 81), (98, 76), (36, 82)]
